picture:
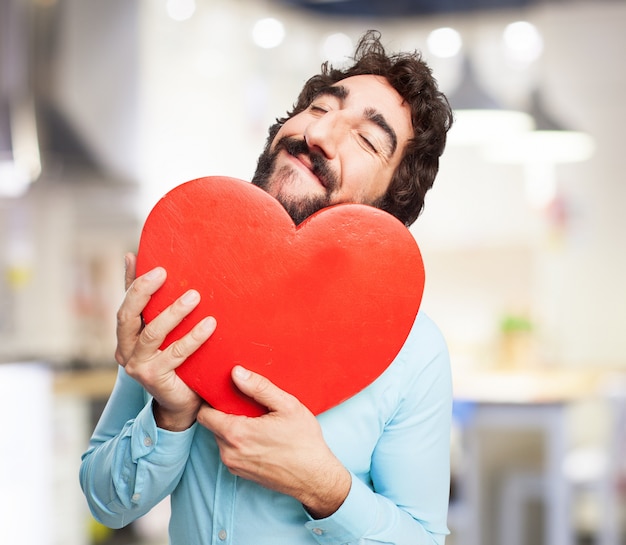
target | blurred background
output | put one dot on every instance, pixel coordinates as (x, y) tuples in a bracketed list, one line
[(106, 105)]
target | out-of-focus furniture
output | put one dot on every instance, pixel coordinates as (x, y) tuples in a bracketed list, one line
[(598, 469), (518, 401)]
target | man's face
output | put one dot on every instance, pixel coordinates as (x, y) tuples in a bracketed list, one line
[(344, 147)]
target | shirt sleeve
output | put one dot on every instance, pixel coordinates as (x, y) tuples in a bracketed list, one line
[(131, 465), (406, 501)]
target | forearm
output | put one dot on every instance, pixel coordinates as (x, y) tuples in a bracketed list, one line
[(367, 517), (394, 437), (328, 496), (124, 477), (128, 455)]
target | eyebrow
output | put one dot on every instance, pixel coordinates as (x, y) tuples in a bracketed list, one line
[(371, 114)]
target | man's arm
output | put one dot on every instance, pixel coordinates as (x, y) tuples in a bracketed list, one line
[(130, 464), (140, 446)]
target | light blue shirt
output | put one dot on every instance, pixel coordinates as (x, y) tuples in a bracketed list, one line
[(393, 437)]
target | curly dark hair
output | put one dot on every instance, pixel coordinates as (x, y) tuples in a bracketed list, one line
[(431, 117)]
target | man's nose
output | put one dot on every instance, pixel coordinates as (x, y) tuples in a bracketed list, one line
[(323, 134)]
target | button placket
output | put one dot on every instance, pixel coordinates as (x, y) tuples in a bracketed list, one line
[(224, 502)]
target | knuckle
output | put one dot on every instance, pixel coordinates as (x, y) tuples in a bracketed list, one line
[(261, 386), (132, 369), (198, 334), (230, 461), (235, 435), (141, 373), (290, 403), (137, 284), (178, 350), (119, 357), (122, 316), (150, 334)]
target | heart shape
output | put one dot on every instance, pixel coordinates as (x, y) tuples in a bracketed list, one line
[(321, 309)]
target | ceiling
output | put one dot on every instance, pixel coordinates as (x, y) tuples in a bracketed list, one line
[(28, 38), (395, 8)]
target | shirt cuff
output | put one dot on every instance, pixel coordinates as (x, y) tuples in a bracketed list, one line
[(148, 439), (350, 522)]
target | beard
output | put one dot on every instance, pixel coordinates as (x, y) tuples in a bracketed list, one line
[(274, 181)]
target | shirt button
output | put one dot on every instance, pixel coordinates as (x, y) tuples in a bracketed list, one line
[(136, 497), (222, 535), (318, 531), (147, 441)]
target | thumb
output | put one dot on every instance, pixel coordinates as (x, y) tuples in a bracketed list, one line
[(259, 388)]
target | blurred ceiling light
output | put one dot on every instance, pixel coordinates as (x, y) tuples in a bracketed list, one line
[(268, 33), (478, 127), (479, 118), (444, 42), (550, 142), (523, 41), (540, 150), (542, 147), (337, 47), (181, 10)]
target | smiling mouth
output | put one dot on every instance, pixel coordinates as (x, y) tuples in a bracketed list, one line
[(303, 162), (310, 162)]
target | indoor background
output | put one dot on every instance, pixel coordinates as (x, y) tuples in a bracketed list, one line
[(106, 105)]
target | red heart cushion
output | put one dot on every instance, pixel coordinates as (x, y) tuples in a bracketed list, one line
[(321, 309)]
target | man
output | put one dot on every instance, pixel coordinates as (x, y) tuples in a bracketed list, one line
[(374, 469)]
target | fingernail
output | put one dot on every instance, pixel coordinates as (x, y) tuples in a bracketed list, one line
[(190, 297), (241, 372), (208, 323), (126, 262), (154, 273)]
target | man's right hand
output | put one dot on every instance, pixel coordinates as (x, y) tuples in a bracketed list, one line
[(138, 346)]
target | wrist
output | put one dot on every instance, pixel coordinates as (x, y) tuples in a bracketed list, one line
[(172, 420), (326, 502)]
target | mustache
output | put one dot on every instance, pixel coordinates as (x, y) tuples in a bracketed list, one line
[(320, 166)]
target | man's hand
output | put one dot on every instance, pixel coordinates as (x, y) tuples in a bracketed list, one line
[(283, 450), (176, 405)]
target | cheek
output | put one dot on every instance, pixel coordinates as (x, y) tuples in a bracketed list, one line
[(369, 183), (359, 186)]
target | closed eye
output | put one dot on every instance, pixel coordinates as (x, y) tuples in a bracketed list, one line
[(318, 109), (368, 143)]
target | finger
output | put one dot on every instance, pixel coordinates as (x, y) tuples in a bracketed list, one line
[(130, 269), (140, 290), (261, 389), (129, 320), (180, 350), (155, 331), (216, 421)]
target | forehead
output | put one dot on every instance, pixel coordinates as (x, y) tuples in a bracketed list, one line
[(375, 92)]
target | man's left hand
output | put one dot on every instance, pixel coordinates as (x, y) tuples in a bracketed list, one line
[(283, 450)]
